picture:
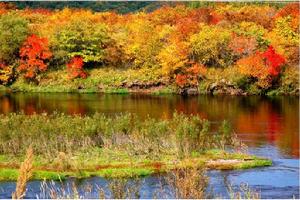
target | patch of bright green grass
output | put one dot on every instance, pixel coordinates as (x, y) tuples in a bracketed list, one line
[(48, 175), (254, 163), (12, 175), (123, 172), (8, 174)]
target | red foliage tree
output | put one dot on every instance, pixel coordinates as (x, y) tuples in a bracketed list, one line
[(75, 68), (214, 18), (262, 65), (34, 53), (274, 61)]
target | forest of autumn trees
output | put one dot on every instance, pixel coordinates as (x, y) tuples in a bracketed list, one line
[(181, 43)]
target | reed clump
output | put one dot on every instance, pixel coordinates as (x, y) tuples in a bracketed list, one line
[(56, 135), (188, 183), (243, 192)]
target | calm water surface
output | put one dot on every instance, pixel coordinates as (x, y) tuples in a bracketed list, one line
[(269, 126)]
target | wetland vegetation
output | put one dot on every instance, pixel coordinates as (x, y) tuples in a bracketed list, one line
[(118, 146)]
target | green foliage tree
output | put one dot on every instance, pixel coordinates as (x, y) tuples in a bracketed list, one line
[(14, 30), (82, 37), (210, 46)]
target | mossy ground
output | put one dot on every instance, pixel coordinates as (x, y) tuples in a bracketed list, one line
[(120, 165)]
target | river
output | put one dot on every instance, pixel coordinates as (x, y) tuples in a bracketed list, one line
[(269, 126)]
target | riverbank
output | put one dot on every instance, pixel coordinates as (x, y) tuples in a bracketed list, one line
[(118, 146), (109, 80)]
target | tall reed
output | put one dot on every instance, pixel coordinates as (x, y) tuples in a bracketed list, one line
[(25, 173), (57, 134)]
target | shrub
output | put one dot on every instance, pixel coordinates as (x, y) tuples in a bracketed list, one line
[(290, 80), (6, 74), (168, 15), (261, 15), (190, 77), (14, 30), (264, 66), (292, 10), (34, 55), (273, 60), (242, 46), (210, 46), (285, 39), (6, 7), (82, 37), (75, 68), (250, 29), (173, 58), (141, 45)]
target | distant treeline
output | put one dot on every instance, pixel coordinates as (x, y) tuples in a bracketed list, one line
[(98, 6), (126, 6)]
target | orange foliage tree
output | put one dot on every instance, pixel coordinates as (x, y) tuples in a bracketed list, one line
[(292, 10), (190, 76), (262, 65), (34, 54), (6, 74), (242, 45), (6, 7), (75, 68), (261, 15)]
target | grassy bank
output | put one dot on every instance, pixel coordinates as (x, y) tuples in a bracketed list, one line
[(10, 172), (122, 81), (118, 146)]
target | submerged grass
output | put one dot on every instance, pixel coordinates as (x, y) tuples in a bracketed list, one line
[(115, 146)]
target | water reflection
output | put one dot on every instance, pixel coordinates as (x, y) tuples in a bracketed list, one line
[(256, 120)]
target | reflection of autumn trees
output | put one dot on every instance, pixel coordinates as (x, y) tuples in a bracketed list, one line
[(190, 105), (275, 123), (5, 105)]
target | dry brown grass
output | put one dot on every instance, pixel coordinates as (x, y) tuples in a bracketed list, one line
[(25, 173), (188, 183)]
